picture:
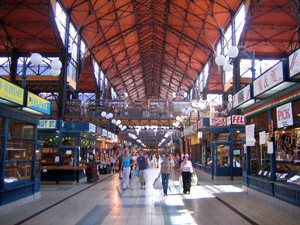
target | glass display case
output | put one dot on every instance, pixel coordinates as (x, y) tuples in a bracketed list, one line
[(20, 149), (48, 147)]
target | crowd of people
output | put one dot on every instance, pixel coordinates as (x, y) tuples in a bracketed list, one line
[(127, 163)]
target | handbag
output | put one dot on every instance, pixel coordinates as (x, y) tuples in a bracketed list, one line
[(157, 183), (136, 173)]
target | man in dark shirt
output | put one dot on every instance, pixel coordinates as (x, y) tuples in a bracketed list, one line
[(142, 165)]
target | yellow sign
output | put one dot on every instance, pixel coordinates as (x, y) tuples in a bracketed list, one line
[(11, 92), (39, 104)]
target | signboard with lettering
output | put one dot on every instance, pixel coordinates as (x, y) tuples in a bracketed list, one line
[(47, 124), (218, 122), (237, 119), (284, 115), (294, 63), (11, 93), (267, 80), (38, 104), (92, 128), (242, 96)]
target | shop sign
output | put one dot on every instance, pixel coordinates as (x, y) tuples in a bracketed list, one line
[(104, 133), (92, 127), (228, 120), (218, 122), (195, 126), (37, 104), (294, 63), (11, 92), (200, 134), (242, 96), (203, 123), (99, 130), (47, 124), (269, 79), (238, 119), (284, 115), (108, 134), (223, 137)]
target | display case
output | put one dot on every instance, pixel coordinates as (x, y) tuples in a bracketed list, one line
[(20, 147)]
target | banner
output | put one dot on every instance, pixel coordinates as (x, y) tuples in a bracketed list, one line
[(250, 138)]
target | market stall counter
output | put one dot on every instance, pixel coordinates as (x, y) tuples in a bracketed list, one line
[(62, 173)]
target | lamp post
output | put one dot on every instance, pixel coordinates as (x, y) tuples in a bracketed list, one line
[(36, 59), (233, 53)]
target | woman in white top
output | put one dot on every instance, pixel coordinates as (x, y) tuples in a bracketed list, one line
[(186, 169)]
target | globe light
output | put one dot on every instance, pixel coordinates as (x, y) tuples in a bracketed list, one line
[(36, 59), (56, 64), (220, 60), (228, 67), (103, 114), (113, 121), (54, 72), (233, 52)]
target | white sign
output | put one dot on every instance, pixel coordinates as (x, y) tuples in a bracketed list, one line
[(269, 79), (47, 124), (242, 96), (92, 128), (199, 134), (294, 63), (237, 119), (284, 115), (270, 148), (262, 137), (250, 138)]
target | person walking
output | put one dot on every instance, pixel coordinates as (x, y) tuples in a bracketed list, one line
[(142, 165), (186, 168), (126, 169), (166, 172)]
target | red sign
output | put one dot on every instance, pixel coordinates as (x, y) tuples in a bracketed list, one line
[(218, 121)]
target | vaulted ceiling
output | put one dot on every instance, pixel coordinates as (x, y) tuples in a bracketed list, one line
[(150, 48)]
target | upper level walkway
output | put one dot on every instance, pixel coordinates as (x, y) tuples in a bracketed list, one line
[(106, 203)]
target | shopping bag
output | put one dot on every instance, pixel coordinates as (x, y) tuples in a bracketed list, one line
[(180, 183), (136, 173), (171, 185), (194, 179), (157, 183)]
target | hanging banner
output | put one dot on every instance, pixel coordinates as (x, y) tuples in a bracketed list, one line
[(250, 138), (284, 115)]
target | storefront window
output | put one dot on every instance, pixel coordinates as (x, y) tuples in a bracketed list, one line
[(223, 156)]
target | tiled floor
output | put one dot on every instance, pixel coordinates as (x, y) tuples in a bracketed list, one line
[(106, 203)]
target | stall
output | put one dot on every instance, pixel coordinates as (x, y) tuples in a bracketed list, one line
[(67, 150), (20, 168)]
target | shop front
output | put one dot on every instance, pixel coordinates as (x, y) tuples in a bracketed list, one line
[(220, 148), (273, 136)]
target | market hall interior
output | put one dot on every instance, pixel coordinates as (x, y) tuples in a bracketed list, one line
[(104, 202)]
